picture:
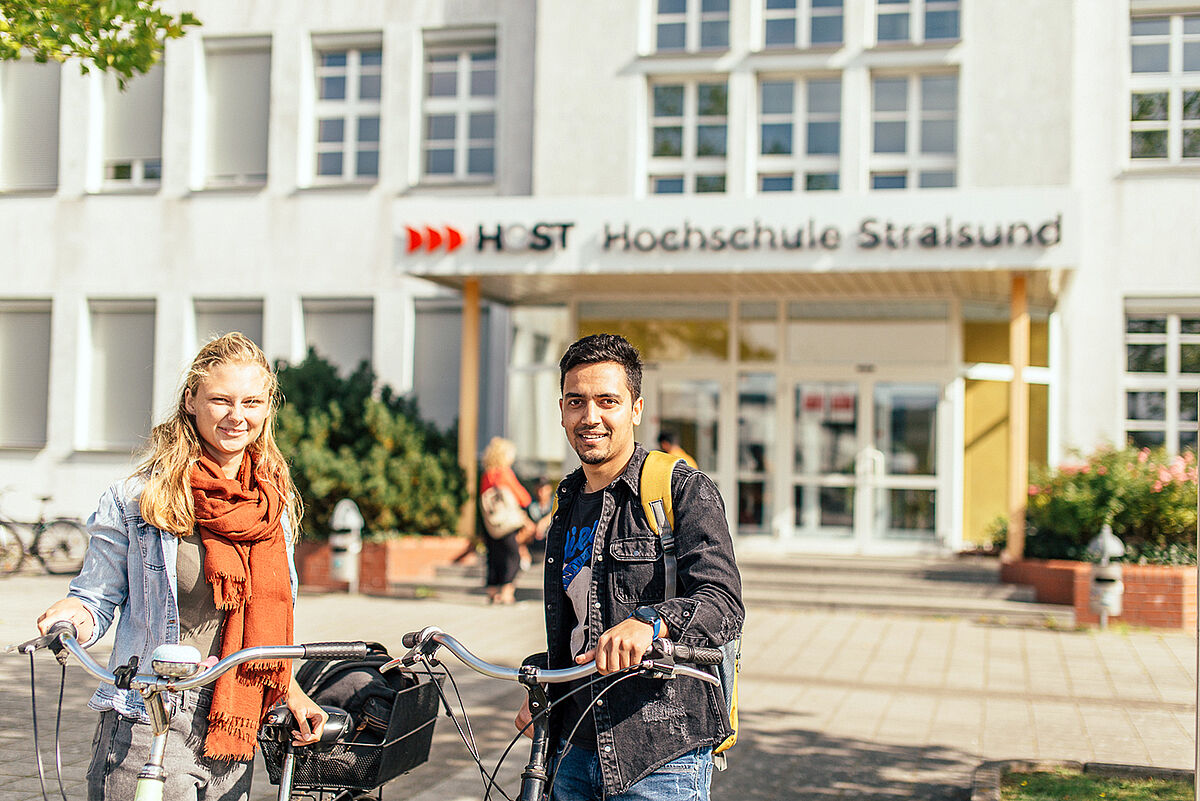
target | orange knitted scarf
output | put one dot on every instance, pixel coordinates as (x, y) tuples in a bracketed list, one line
[(247, 566)]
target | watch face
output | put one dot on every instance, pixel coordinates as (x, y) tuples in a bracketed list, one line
[(646, 614)]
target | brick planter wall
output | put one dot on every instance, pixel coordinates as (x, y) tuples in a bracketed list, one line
[(404, 559), (1159, 596), (314, 567)]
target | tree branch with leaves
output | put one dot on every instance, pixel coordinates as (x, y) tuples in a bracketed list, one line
[(125, 37)]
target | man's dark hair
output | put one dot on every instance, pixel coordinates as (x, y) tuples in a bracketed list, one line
[(667, 437), (597, 348)]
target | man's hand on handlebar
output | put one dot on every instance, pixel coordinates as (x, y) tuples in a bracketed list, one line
[(620, 647), (310, 717), (71, 610)]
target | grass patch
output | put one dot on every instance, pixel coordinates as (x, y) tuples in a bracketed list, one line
[(1067, 786)]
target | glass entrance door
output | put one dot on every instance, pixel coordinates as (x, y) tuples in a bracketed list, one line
[(863, 462), (690, 408)]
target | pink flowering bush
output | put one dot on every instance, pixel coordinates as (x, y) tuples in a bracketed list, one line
[(1147, 496)]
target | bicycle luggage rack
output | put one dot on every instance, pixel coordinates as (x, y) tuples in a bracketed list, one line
[(366, 765)]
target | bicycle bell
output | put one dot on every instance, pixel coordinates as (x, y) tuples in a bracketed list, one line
[(175, 661)]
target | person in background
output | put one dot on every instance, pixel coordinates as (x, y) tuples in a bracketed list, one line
[(196, 548), (606, 599), (540, 509), (669, 443), (504, 549)]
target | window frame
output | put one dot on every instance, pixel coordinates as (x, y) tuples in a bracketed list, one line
[(799, 164), (1174, 83), (139, 171), (1171, 381), (803, 16), (462, 106), (350, 109), (912, 163), (917, 12), (215, 49), (693, 18), (688, 166)]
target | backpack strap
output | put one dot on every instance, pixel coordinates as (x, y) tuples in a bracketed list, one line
[(655, 488)]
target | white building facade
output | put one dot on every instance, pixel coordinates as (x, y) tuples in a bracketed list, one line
[(838, 230)]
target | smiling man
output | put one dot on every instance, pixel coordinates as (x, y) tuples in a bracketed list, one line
[(606, 597)]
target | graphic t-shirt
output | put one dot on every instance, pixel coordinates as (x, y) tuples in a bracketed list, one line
[(577, 581)]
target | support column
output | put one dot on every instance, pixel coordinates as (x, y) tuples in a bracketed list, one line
[(1018, 419), (468, 402)]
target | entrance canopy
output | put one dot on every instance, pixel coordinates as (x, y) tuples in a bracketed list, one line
[(548, 250)]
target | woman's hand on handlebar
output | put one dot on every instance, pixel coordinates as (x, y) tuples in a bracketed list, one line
[(620, 647), (310, 718), (71, 610)]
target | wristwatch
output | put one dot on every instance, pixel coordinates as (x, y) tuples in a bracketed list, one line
[(649, 615)]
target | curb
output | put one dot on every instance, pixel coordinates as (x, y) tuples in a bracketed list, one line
[(985, 784)]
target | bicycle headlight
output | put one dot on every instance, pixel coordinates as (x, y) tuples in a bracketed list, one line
[(175, 661)]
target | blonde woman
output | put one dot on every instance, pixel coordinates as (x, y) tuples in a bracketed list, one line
[(504, 546), (196, 548)]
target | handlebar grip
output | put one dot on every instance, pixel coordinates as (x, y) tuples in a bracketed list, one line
[(410, 640), (694, 654), (328, 651), (48, 640), (60, 626)]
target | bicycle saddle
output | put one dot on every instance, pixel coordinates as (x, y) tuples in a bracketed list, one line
[(280, 723)]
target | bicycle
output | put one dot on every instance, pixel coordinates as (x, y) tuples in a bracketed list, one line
[(333, 766), (178, 668), (58, 543), (663, 660)]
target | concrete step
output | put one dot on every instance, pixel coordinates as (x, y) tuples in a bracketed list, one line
[(938, 587)]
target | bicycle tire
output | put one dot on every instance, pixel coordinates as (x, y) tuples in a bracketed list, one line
[(12, 550), (60, 546)]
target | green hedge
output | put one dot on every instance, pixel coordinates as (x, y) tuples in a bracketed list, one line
[(347, 438)]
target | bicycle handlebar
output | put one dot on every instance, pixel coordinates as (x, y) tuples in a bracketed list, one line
[(63, 635), (424, 644)]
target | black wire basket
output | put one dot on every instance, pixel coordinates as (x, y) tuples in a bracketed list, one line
[(362, 764)]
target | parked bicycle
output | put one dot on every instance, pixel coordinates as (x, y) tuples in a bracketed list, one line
[(336, 768), (58, 543)]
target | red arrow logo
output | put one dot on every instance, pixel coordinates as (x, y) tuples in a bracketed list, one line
[(432, 238)]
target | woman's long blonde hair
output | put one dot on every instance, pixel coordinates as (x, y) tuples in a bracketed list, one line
[(499, 453), (166, 501)]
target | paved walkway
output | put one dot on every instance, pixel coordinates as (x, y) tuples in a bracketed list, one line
[(834, 704)]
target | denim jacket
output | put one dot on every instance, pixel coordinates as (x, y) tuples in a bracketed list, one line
[(643, 723), (130, 566)]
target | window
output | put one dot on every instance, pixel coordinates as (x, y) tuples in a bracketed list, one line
[(29, 129), (25, 354), (802, 23), (914, 131), (800, 127), (121, 374), (460, 114), (239, 104), (133, 130), (1162, 378), (340, 330), (916, 21), (349, 91), (691, 25), (1165, 88), (216, 318), (688, 137)]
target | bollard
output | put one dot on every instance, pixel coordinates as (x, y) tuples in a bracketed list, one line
[(345, 541), (1107, 592), (1108, 589)]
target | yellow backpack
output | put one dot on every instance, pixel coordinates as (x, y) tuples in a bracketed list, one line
[(655, 487)]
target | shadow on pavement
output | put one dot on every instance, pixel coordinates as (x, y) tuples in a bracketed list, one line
[(771, 763)]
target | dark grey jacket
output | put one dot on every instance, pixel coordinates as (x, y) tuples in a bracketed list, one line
[(644, 723)]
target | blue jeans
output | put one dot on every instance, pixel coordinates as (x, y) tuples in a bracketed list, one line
[(685, 778)]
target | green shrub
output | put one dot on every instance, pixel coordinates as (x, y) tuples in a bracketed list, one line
[(347, 440), (1147, 496)]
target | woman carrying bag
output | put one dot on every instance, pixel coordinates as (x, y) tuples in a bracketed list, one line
[(502, 502)]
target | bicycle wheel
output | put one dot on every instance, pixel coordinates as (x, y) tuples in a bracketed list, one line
[(60, 546), (12, 551)]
